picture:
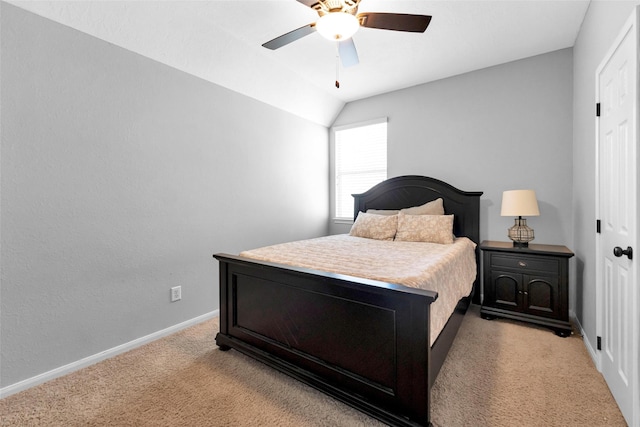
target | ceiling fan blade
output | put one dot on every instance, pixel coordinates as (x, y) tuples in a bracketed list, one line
[(308, 3), (395, 21), (291, 36), (348, 53)]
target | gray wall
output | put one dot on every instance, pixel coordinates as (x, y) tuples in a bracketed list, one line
[(120, 177), (601, 26), (496, 129)]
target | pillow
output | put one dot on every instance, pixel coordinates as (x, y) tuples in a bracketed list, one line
[(425, 228), (434, 207), (382, 212), (372, 226)]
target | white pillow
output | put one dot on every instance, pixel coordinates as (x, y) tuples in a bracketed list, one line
[(434, 207), (383, 211), (372, 226), (425, 228)]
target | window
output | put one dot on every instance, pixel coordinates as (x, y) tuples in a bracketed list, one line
[(360, 161)]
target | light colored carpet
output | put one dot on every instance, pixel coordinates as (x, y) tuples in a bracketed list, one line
[(498, 373)]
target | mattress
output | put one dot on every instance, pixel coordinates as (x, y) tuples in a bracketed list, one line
[(449, 270)]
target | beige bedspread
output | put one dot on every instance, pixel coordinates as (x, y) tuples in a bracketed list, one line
[(447, 269)]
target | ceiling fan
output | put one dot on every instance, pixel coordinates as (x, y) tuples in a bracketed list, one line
[(339, 20)]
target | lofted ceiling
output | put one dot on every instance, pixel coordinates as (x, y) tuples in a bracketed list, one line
[(220, 41)]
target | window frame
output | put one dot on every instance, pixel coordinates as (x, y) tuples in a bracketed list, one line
[(333, 171)]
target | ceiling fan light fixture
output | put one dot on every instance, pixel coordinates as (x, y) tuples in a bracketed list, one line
[(337, 26)]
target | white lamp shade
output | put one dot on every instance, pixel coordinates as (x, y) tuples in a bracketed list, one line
[(519, 203), (337, 25)]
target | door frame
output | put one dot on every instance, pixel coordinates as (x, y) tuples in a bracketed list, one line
[(631, 24)]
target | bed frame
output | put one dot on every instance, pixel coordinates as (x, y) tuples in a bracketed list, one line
[(364, 342)]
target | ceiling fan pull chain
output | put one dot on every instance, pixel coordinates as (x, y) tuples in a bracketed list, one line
[(337, 66)]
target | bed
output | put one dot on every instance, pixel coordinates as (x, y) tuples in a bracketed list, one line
[(365, 342)]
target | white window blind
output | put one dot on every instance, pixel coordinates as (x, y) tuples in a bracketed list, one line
[(360, 162)]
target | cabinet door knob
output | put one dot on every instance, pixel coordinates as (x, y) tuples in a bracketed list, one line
[(522, 263)]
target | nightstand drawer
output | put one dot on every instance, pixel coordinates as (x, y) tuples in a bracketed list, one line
[(526, 262)]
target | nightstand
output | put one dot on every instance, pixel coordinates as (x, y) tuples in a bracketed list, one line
[(527, 283)]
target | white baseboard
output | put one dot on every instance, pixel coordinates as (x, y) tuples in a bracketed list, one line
[(587, 343), (98, 357)]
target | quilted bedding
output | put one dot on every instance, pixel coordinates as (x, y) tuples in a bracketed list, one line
[(447, 269)]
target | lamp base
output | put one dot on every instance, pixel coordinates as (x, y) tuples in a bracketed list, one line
[(520, 233)]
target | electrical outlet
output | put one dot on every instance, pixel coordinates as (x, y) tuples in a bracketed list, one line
[(176, 293)]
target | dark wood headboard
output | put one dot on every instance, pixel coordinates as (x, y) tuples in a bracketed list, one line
[(413, 190)]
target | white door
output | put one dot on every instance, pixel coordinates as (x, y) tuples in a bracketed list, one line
[(617, 275)]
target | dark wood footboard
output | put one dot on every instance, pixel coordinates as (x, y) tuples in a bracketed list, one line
[(363, 342)]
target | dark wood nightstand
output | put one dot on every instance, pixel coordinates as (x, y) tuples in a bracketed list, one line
[(529, 284)]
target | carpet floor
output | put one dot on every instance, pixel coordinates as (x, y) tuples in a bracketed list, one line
[(498, 373)]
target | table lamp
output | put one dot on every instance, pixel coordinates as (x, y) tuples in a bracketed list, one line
[(520, 203)]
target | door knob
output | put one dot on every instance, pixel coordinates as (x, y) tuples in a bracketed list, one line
[(618, 251)]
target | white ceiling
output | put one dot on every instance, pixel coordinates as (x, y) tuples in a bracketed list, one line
[(220, 41)]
